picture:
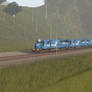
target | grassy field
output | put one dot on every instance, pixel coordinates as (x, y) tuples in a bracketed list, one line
[(72, 74), (79, 83), (67, 19)]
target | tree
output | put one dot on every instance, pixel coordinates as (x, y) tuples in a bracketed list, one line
[(12, 8), (1, 1)]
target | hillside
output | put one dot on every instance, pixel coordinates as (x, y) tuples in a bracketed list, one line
[(58, 74), (66, 19)]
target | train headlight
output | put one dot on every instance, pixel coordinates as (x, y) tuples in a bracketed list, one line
[(39, 40)]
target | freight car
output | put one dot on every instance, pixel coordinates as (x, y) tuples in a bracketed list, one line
[(49, 44)]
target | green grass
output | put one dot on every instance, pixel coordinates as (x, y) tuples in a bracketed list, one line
[(70, 19), (49, 76), (79, 83)]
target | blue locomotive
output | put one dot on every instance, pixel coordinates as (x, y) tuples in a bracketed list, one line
[(49, 44)]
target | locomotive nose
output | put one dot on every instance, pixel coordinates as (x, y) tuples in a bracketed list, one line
[(38, 45)]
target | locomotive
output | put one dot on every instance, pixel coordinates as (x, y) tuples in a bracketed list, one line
[(49, 44)]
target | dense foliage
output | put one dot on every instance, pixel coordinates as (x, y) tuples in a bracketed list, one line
[(1, 1), (12, 8)]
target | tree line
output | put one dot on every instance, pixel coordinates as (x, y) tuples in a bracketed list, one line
[(12, 8), (1, 1)]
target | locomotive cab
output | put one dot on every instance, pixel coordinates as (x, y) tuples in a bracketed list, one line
[(39, 44)]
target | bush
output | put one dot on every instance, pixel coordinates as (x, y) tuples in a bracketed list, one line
[(1, 1), (12, 8)]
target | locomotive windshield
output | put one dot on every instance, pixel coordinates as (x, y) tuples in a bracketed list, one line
[(39, 41)]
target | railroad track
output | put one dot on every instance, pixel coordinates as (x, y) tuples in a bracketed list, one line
[(55, 52)]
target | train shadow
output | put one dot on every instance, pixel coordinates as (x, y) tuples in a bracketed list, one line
[(27, 51)]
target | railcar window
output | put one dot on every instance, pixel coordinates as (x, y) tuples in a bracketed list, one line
[(88, 41), (49, 42), (83, 40), (74, 41), (66, 41)]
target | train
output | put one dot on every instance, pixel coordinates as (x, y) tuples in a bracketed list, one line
[(51, 44)]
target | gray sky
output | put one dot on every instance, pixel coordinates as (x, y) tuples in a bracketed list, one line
[(28, 3)]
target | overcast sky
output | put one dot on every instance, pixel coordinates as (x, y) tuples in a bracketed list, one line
[(29, 3)]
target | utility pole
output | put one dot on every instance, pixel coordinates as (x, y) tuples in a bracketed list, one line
[(56, 40), (51, 31), (32, 16), (46, 10)]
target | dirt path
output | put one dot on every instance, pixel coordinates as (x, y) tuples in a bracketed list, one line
[(3, 54), (13, 58)]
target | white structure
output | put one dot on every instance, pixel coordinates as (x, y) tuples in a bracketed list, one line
[(27, 3)]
